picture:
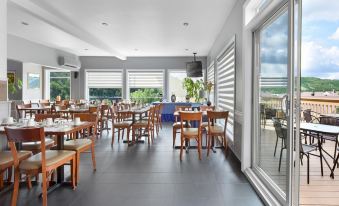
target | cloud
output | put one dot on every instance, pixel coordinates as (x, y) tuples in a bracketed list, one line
[(319, 10), (335, 36), (319, 61)]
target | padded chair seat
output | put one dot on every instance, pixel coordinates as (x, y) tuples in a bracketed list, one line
[(142, 123), (178, 125), (217, 129), (52, 157), (190, 132), (6, 157), (77, 144), (37, 145), (122, 124)]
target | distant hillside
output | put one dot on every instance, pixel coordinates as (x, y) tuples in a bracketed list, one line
[(309, 84)]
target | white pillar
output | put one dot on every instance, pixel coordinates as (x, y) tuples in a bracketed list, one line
[(3, 50)]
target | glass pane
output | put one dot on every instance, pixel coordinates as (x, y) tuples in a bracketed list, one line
[(60, 87), (105, 93), (60, 74), (145, 95), (273, 79), (176, 79)]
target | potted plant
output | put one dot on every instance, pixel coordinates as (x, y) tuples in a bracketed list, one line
[(14, 86), (193, 88), (208, 87)]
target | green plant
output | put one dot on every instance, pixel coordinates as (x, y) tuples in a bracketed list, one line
[(14, 86), (193, 88), (147, 95)]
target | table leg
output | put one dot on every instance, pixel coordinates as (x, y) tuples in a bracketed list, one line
[(321, 153), (60, 170)]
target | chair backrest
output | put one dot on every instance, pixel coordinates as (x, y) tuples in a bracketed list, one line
[(217, 115), (190, 116), (279, 130), (88, 117), (328, 120), (151, 114), (22, 106), (207, 108), (16, 135), (26, 102), (93, 109), (183, 108), (42, 117), (307, 115)]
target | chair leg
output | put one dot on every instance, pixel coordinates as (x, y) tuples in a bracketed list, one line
[(73, 172), (174, 136), (29, 183), (226, 145), (77, 166), (199, 147), (123, 134), (44, 189), (128, 132), (9, 174), (181, 147), (16, 187), (119, 135), (133, 135), (276, 144), (208, 144), (280, 158), (1, 180), (93, 157), (113, 136)]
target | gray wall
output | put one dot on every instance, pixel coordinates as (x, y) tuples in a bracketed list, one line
[(166, 63), (233, 26), (15, 66)]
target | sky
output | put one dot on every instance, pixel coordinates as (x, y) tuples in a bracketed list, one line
[(320, 39), (320, 42)]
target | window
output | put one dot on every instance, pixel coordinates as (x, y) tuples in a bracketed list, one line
[(175, 81), (104, 85), (226, 84), (211, 78), (59, 85), (145, 86)]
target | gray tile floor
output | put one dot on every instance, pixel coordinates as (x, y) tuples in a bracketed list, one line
[(151, 175)]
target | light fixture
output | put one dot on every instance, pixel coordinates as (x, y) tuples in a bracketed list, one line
[(104, 24), (24, 23), (186, 49), (86, 49), (136, 49), (185, 24)]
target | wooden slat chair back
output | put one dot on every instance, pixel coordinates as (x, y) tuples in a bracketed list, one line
[(17, 135), (190, 133), (216, 130)]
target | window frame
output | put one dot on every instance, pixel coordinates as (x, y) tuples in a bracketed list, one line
[(168, 80), (47, 84)]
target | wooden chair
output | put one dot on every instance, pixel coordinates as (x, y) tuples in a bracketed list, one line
[(216, 130), (93, 110), (7, 162), (205, 108), (105, 112), (23, 113), (190, 133), (44, 102), (147, 125), (85, 143), (159, 114), (120, 121), (45, 162), (177, 123)]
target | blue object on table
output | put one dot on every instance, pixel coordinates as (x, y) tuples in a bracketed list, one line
[(169, 108)]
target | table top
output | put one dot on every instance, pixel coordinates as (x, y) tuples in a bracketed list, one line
[(67, 128), (74, 110), (177, 113), (36, 108), (322, 128), (134, 111)]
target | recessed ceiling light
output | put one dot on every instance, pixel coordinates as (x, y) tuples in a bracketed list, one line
[(86, 49), (136, 49), (104, 24), (185, 24), (24, 23), (186, 49)]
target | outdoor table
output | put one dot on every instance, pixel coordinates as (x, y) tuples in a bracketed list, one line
[(320, 129), (60, 132)]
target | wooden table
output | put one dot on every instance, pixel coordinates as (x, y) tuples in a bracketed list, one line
[(60, 133), (134, 113), (72, 111), (38, 109), (320, 129)]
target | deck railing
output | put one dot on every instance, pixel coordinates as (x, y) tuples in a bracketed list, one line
[(322, 105)]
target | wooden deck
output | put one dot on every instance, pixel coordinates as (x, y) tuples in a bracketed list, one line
[(322, 190)]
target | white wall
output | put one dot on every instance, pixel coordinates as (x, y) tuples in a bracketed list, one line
[(233, 26), (31, 94)]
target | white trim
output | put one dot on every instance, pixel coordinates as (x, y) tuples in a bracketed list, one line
[(168, 82)]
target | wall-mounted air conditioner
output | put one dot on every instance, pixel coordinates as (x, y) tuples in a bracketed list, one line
[(70, 63)]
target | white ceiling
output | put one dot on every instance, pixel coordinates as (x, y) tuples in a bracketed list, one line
[(135, 27)]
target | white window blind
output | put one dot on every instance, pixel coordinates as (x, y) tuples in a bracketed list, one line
[(151, 79), (104, 79), (226, 84), (211, 78)]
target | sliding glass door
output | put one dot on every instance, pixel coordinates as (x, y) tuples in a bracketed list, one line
[(274, 100)]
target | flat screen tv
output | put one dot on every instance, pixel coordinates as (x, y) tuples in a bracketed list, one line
[(194, 69)]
